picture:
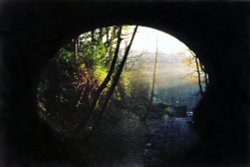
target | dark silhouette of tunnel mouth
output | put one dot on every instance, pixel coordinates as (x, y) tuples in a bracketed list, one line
[(179, 35), (216, 32)]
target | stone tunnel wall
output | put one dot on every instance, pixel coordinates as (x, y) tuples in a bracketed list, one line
[(30, 33)]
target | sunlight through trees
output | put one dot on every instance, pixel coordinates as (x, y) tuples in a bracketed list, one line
[(115, 73)]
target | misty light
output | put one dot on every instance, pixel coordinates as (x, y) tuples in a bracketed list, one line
[(146, 40), (176, 65)]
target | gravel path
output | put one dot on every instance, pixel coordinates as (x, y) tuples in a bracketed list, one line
[(169, 142), (154, 144)]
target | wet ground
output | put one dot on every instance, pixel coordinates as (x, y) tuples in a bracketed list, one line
[(170, 142), (157, 143), (166, 141)]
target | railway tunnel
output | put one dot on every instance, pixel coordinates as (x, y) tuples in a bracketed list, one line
[(31, 32)]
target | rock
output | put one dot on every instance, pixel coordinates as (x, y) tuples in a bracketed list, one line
[(148, 145)]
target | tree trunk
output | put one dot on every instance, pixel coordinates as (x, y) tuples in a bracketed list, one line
[(199, 75), (93, 123), (100, 32), (93, 36), (206, 78), (76, 43), (107, 34), (205, 74), (104, 83), (111, 70), (153, 84)]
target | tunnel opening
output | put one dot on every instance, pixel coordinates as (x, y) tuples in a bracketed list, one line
[(218, 32), (118, 87)]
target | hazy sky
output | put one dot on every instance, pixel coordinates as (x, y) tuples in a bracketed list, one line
[(146, 38), (171, 69)]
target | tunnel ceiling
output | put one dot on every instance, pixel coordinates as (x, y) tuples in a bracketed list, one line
[(44, 25)]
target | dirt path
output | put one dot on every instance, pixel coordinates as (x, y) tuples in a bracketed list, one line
[(154, 144), (166, 140), (169, 142)]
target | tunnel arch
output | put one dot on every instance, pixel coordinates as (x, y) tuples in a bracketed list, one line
[(187, 38), (216, 32), (183, 30)]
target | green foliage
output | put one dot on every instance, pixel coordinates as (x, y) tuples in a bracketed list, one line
[(168, 111), (64, 56), (100, 72), (70, 82)]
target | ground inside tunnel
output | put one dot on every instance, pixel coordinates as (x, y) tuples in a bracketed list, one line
[(159, 143)]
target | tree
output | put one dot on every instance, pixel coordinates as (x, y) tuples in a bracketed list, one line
[(95, 118), (89, 75), (153, 84), (199, 75), (110, 72)]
